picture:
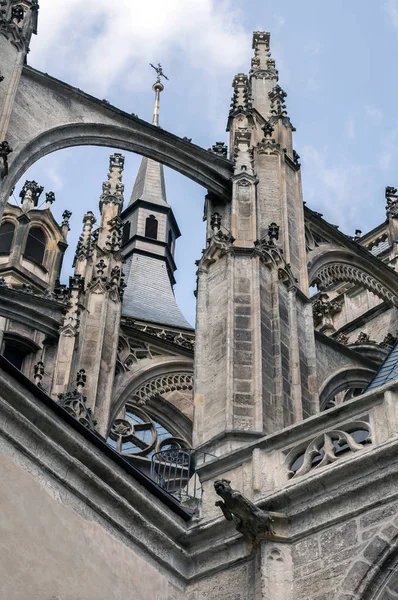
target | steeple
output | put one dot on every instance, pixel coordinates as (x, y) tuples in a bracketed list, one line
[(149, 235)]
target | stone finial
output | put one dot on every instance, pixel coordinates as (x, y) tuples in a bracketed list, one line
[(219, 148), (392, 202), (66, 215), (296, 159), (50, 199), (84, 246), (363, 338), (215, 221), (17, 14), (38, 372), (251, 521), (5, 150), (323, 311), (112, 190), (268, 129), (262, 65), (241, 98), (100, 267), (30, 195), (358, 234), (273, 233), (389, 340), (81, 379)]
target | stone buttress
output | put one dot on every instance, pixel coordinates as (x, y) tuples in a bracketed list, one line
[(88, 338), (255, 351)]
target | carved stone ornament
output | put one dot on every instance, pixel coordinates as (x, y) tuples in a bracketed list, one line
[(252, 522), (11, 21), (31, 190), (324, 310), (327, 447), (5, 150), (389, 340), (75, 404), (219, 148), (392, 202), (333, 273), (343, 339), (363, 338)]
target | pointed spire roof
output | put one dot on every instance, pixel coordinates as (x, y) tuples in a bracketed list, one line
[(149, 184)]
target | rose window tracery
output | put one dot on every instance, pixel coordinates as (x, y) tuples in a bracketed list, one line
[(138, 434)]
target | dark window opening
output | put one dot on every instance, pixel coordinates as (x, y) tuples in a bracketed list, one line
[(14, 354), (6, 237), (151, 227), (35, 245), (170, 240), (126, 232)]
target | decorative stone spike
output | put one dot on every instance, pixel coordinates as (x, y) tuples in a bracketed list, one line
[(30, 194), (50, 199)]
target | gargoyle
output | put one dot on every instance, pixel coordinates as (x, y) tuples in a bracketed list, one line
[(249, 520)]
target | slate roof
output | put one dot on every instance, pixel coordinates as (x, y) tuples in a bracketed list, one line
[(149, 295), (149, 184), (388, 371)]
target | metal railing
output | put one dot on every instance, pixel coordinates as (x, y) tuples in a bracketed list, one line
[(174, 470)]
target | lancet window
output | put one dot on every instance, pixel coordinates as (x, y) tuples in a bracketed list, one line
[(151, 227), (36, 245), (6, 237)]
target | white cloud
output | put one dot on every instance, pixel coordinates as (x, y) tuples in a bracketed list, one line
[(374, 112), (96, 43), (391, 8)]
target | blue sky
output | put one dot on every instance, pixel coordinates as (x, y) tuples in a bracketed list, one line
[(336, 60)]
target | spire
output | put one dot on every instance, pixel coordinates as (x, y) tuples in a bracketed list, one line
[(150, 185)]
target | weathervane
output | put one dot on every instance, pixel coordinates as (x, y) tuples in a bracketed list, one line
[(159, 72), (157, 88)]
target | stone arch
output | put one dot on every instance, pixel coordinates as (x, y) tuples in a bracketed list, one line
[(344, 379), (63, 117), (146, 386), (369, 575), (328, 265)]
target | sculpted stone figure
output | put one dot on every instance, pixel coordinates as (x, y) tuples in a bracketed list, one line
[(250, 520)]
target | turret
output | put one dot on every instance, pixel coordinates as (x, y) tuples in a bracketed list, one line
[(149, 236), (32, 243)]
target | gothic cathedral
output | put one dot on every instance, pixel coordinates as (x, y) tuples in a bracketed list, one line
[(254, 457)]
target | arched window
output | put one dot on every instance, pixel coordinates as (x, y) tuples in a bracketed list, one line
[(35, 245), (6, 237), (151, 227), (137, 434), (15, 354), (126, 232)]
